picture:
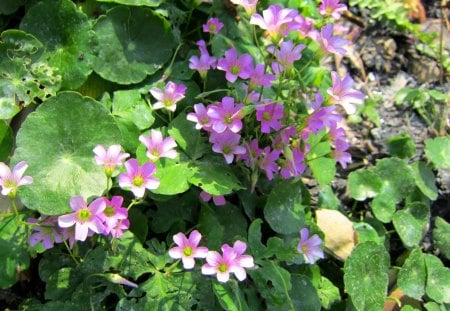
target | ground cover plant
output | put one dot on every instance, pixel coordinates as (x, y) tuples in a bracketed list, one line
[(182, 155)]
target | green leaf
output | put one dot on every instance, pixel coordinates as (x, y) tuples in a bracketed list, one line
[(150, 3), (188, 137), (123, 36), (401, 146), (365, 276), (257, 248), (214, 176), (327, 198), (323, 170), (57, 142), (10, 6), (14, 257), (130, 134), (328, 293), (438, 279), (425, 180), (432, 306), (303, 294), (173, 177), (363, 184), (6, 141), (441, 236), (210, 226), (366, 233), (412, 277), (67, 36), (230, 296), (407, 228), (437, 151), (284, 210), (62, 283), (131, 106), (19, 44)]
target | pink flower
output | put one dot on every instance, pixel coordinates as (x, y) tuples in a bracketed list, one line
[(328, 42), (340, 154), (84, 218), (310, 246), (252, 154), (168, 98), (188, 248), (276, 20), (332, 8), (269, 115), (286, 55), (46, 232), (232, 261), (258, 77), (343, 93), (218, 200), (10, 181), (203, 63), (227, 143), (225, 115), (268, 162), (117, 279), (235, 66), (138, 178), (213, 26), (294, 164), (114, 216), (157, 147), (200, 117), (305, 25), (249, 5), (109, 158)]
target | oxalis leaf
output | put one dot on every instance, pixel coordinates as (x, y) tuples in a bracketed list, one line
[(57, 142), (365, 276), (230, 296), (412, 276), (67, 35), (126, 52), (437, 151)]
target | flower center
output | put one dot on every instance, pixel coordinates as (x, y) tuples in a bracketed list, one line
[(226, 149), (155, 152), (167, 103), (109, 211), (305, 249), (9, 184), (227, 119), (235, 69), (187, 251), (266, 116), (138, 181), (84, 215), (212, 28), (222, 268), (204, 120)]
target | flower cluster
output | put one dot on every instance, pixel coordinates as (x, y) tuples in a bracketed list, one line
[(280, 142), (232, 260)]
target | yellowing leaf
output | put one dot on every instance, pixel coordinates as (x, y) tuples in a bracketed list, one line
[(340, 236)]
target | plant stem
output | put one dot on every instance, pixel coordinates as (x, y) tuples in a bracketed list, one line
[(70, 253)]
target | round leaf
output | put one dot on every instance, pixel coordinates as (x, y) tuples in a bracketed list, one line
[(437, 151), (366, 276), (412, 276), (127, 53), (364, 184), (67, 34), (57, 142), (425, 179)]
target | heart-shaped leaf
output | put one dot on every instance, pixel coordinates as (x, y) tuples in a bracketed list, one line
[(57, 142)]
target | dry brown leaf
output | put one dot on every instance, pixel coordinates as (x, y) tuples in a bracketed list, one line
[(340, 236)]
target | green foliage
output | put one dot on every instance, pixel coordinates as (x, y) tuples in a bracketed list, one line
[(437, 151), (6, 141), (441, 235), (401, 146)]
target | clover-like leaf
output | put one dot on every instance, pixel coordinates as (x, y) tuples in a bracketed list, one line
[(437, 151), (173, 177), (366, 276), (412, 277), (363, 184), (67, 36), (441, 236), (57, 142), (126, 52), (438, 279), (425, 180)]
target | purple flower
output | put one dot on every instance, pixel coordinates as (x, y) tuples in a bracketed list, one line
[(138, 178), (340, 154), (310, 246), (203, 63), (294, 164), (343, 93), (218, 200), (286, 55), (235, 66), (225, 115), (46, 232), (168, 98), (11, 180), (109, 158), (114, 217), (200, 117), (157, 147), (249, 5), (328, 42), (227, 143), (276, 20), (252, 154), (232, 261), (117, 279), (84, 218), (213, 26), (268, 162), (305, 25), (187, 248), (258, 77), (269, 115), (332, 8)]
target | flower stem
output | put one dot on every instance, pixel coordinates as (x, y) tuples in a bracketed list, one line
[(70, 253)]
